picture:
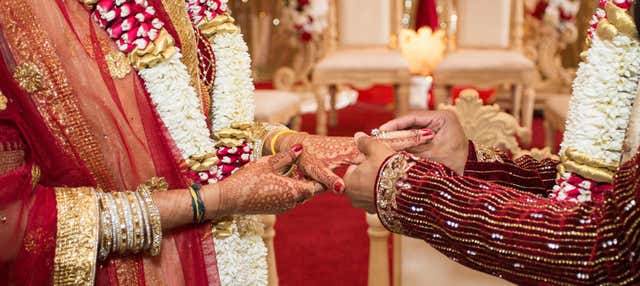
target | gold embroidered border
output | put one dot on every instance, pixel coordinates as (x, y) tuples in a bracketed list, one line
[(177, 11), (394, 169), (56, 100), (77, 236)]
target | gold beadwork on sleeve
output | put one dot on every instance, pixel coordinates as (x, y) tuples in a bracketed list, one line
[(388, 188), (489, 154), (77, 236)]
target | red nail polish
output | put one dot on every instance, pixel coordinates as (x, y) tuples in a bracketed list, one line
[(297, 148), (426, 132), (338, 187)]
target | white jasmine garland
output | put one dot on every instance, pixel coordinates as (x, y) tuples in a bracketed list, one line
[(242, 261), (178, 106), (233, 86), (603, 93)]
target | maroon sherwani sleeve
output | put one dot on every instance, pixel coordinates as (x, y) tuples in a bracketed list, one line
[(496, 165), (492, 226)]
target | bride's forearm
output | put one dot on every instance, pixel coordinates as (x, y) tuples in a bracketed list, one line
[(176, 209)]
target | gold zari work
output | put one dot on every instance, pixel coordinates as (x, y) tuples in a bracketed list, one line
[(119, 66), (3, 101), (180, 18), (77, 236), (393, 170), (55, 98), (28, 77)]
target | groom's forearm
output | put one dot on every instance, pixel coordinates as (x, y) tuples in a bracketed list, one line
[(521, 237)]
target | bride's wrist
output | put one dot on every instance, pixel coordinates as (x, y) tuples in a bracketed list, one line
[(212, 196)]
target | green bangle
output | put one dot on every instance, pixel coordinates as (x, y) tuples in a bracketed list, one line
[(197, 205)]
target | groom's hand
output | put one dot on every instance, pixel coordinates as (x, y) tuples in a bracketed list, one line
[(449, 146), (361, 179)]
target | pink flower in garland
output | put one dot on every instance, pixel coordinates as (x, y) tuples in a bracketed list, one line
[(131, 23)]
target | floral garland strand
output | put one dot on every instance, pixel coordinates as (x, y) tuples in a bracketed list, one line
[(240, 251), (600, 107), (136, 30)]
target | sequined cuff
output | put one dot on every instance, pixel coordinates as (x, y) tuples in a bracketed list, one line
[(77, 236), (389, 184)]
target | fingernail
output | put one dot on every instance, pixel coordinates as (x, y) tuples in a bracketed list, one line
[(297, 148), (338, 187), (426, 132)]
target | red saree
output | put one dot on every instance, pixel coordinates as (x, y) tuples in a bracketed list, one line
[(80, 120)]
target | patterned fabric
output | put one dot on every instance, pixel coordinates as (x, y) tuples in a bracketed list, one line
[(524, 174), (498, 227)]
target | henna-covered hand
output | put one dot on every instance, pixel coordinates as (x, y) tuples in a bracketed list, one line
[(261, 188), (321, 155)]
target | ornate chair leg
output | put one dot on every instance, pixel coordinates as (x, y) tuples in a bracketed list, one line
[(528, 105), (516, 107), (402, 99), (550, 134), (269, 233), (378, 252), (321, 113), (333, 113), (440, 95), (296, 122), (397, 259)]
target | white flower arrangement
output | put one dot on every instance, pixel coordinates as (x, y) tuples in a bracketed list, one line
[(242, 261), (232, 94), (561, 13), (603, 93), (178, 106), (309, 18)]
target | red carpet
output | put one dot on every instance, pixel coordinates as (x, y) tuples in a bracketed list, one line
[(324, 242)]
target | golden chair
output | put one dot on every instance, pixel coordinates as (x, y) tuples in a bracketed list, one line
[(359, 52), (484, 49)]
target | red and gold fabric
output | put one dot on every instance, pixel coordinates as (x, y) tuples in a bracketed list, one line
[(86, 121), (497, 219)]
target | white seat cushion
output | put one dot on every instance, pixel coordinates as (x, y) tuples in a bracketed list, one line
[(276, 106), (462, 64), (363, 60)]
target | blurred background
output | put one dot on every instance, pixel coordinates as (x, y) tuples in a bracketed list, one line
[(340, 66)]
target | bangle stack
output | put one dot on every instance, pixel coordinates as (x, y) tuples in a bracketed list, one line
[(129, 222), (259, 134)]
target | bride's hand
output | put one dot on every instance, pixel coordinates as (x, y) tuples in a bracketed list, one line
[(322, 154), (261, 188)]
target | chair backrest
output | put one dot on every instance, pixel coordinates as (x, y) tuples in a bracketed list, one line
[(484, 24), (487, 125), (364, 23)]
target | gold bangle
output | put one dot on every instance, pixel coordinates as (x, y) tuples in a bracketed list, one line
[(106, 227), (122, 224), (138, 228), (154, 220), (275, 138)]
